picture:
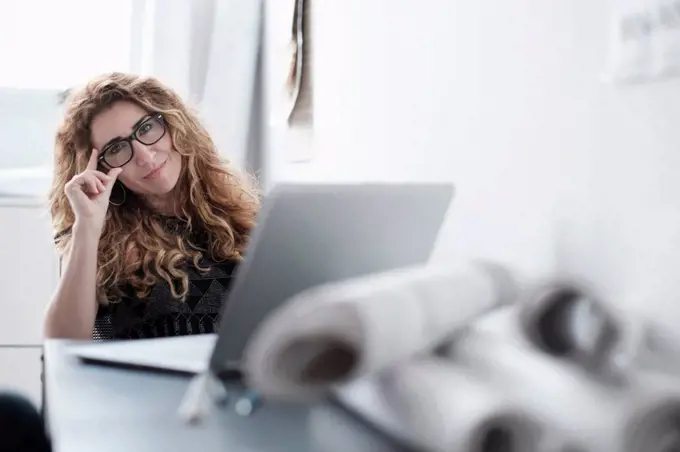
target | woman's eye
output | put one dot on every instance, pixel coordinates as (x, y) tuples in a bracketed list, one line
[(145, 128), (116, 148)]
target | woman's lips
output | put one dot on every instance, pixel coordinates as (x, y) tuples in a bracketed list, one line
[(155, 173)]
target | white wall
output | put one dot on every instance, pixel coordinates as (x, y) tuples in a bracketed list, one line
[(555, 170)]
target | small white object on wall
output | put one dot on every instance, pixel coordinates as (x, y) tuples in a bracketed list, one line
[(645, 40)]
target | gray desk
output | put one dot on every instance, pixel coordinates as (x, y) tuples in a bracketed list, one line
[(105, 409)]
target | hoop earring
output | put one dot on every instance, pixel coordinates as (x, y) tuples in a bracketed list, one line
[(124, 196)]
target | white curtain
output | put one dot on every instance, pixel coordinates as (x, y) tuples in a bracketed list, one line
[(209, 51)]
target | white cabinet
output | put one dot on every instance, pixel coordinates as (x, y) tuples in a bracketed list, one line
[(29, 271), (20, 371)]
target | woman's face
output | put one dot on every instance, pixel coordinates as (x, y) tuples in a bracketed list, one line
[(150, 166)]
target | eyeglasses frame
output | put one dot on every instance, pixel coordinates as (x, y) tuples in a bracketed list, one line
[(133, 137)]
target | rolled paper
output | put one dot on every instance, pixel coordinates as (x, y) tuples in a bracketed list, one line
[(640, 413), (445, 407), (653, 425), (332, 334), (566, 320)]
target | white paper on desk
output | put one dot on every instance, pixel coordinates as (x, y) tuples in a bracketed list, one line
[(332, 334), (644, 40), (333, 430)]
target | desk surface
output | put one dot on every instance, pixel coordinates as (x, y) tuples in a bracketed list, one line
[(99, 408)]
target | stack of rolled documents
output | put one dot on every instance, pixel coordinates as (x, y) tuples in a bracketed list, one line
[(639, 411), (453, 364)]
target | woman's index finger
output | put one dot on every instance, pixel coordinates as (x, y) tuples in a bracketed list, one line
[(94, 157)]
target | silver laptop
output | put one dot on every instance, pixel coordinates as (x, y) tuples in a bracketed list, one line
[(307, 234)]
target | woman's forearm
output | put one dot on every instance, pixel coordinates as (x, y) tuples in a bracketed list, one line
[(73, 308)]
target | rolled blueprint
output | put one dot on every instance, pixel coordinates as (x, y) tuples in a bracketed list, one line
[(334, 333), (445, 407), (648, 345), (567, 321), (653, 424), (583, 413)]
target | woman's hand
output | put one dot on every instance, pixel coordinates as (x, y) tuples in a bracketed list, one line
[(89, 193)]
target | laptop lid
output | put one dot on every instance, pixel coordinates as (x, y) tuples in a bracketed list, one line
[(309, 234)]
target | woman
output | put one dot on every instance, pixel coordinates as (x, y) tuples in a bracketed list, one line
[(150, 221)]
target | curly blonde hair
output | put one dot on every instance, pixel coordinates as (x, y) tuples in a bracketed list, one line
[(135, 248)]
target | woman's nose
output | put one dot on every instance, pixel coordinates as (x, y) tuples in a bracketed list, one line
[(143, 154)]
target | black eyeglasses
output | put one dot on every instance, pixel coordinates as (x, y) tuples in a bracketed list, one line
[(148, 132)]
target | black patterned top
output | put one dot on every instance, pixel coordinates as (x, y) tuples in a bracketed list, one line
[(160, 314)]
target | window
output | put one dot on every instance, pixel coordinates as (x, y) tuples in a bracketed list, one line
[(53, 44), (46, 47)]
